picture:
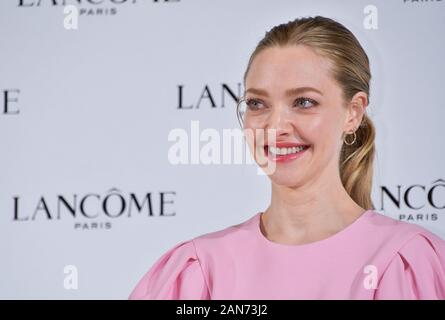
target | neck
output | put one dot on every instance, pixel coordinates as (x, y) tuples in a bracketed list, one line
[(308, 212)]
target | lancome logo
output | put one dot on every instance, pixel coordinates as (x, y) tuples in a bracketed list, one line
[(93, 210), (207, 97), (421, 1), (10, 100), (416, 202), (88, 7)]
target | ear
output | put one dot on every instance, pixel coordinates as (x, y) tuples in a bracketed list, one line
[(355, 112)]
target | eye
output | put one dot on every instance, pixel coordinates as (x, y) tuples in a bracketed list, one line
[(306, 103), (253, 104)]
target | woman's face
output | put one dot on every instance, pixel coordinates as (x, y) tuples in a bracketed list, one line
[(289, 90)]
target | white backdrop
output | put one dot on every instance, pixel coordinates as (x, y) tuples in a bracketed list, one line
[(86, 114)]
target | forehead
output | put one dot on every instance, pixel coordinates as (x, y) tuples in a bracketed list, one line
[(279, 68)]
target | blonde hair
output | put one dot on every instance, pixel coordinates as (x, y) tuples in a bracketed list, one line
[(351, 70)]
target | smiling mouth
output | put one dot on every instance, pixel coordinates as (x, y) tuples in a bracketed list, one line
[(284, 154)]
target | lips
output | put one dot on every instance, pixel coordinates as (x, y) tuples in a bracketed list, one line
[(284, 144), (285, 157), (266, 147)]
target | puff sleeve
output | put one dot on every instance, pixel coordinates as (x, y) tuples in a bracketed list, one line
[(416, 272), (176, 275)]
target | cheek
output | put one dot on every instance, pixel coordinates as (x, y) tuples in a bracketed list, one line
[(322, 132)]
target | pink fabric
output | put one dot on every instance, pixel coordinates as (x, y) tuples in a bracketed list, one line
[(239, 262)]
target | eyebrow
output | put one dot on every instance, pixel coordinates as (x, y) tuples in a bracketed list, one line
[(289, 92)]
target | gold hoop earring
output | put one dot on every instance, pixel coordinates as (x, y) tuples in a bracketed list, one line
[(350, 143)]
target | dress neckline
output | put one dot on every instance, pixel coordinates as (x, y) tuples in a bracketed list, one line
[(331, 239)]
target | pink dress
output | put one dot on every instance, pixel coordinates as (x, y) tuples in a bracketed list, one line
[(375, 257)]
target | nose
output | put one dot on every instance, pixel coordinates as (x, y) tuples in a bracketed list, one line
[(279, 121)]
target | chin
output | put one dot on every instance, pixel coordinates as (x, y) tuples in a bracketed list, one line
[(285, 179)]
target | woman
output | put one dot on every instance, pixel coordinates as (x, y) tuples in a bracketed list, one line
[(320, 238)]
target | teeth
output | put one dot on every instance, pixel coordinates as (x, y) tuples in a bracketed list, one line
[(284, 151)]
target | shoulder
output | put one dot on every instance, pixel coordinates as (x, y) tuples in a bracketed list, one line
[(415, 264), (389, 232), (176, 274), (227, 238), (183, 271)]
